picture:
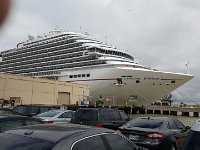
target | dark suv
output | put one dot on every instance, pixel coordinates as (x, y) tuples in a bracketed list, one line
[(30, 110), (101, 117)]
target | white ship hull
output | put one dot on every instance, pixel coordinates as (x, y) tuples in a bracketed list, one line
[(111, 73), (138, 86)]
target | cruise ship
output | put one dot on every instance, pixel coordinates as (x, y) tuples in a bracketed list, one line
[(111, 73)]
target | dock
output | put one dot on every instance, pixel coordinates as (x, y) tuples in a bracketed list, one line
[(177, 111), (162, 110)]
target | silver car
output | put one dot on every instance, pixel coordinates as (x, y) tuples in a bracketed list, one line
[(56, 116)]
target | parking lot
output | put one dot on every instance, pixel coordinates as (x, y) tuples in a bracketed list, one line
[(143, 131)]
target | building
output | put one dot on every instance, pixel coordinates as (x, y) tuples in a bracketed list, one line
[(29, 90)]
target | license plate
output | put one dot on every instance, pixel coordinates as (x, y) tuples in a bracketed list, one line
[(133, 137)]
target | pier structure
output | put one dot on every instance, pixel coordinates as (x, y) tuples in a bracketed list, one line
[(177, 111)]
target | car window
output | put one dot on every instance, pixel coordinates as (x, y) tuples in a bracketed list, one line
[(167, 126), (179, 124), (7, 125), (16, 142), (6, 112), (66, 115), (106, 115), (123, 115), (171, 125), (34, 110), (43, 109), (48, 114), (145, 123), (20, 109), (193, 141), (92, 143), (85, 115), (32, 122), (117, 142), (115, 115)]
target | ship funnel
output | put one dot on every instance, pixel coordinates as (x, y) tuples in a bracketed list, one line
[(31, 37)]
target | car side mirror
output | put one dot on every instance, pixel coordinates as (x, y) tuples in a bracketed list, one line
[(187, 127)]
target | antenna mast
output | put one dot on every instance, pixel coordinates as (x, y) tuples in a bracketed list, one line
[(187, 67)]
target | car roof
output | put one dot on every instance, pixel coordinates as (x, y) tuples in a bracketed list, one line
[(100, 108), (196, 126), (12, 116), (155, 118), (88, 108), (2, 108), (26, 105), (7, 117), (56, 132), (58, 110)]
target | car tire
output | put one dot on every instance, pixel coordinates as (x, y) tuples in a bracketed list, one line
[(173, 147)]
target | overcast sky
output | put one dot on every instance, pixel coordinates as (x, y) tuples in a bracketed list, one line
[(162, 34)]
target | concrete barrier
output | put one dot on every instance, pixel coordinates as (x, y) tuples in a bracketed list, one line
[(177, 111)]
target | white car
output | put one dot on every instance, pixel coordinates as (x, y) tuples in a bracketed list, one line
[(56, 116)]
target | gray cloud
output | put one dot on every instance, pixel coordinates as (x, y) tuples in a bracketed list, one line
[(160, 34)]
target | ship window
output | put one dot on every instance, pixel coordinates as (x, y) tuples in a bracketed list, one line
[(75, 76), (88, 75), (137, 81), (173, 81), (83, 75), (79, 75)]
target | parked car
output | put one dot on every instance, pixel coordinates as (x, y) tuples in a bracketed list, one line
[(156, 133), (6, 111), (64, 137), (101, 117), (30, 110), (14, 121), (56, 116), (192, 141)]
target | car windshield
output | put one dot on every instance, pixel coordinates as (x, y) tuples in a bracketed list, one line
[(48, 114), (20, 109), (16, 142), (145, 123)]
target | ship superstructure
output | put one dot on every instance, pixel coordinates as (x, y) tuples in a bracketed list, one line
[(111, 73)]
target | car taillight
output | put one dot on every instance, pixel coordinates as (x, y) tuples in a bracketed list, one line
[(99, 125), (155, 136), (48, 121)]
